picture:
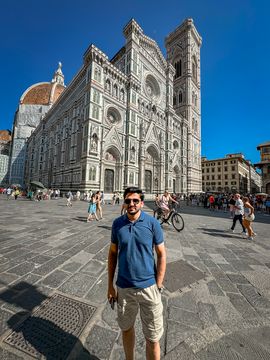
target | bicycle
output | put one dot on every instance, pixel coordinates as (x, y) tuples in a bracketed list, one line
[(176, 218)]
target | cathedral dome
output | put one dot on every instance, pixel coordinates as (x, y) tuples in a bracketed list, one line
[(45, 93), (42, 94)]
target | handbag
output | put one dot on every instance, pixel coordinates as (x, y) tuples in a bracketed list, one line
[(250, 217)]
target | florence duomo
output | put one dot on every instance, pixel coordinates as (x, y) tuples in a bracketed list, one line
[(131, 120)]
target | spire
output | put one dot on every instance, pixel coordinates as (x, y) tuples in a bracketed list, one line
[(58, 75)]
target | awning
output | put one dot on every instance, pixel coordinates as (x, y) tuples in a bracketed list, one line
[(37, 184)]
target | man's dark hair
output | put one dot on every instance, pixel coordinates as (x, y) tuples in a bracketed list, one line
[(134, 190)]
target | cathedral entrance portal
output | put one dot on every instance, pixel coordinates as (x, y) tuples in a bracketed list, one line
[(109, 181), (152, 177), (148, 181)]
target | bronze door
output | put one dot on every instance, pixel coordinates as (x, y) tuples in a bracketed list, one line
[(109, 181), (148, 181)]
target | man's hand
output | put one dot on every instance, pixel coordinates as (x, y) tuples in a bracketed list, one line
[(111, 294)]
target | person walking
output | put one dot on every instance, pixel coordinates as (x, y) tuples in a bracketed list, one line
[(248, 218), (69, 198), (8, 192), (231, 205), (139, 280), (98, 202), (92, 208), (16, 193), (238, 212)]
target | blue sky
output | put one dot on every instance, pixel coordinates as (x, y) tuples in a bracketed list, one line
[(235, 53)]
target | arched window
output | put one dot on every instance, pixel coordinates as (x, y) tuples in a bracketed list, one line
[(194, 68), (174, 100), (178, 68), (180, 97), (115, 90)]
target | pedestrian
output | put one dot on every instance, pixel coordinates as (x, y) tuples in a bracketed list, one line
[(248, 218), (78, 195), (102, 199), (8, 192), (16, 193), (238, 212), (231, 205), (212, 202), (98, 202), (69, 198), (92, 208), (139, 280)]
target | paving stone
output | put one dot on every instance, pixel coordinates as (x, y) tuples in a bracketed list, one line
[(22, 269), (219, 350), (41, 259), (176, 333), (71, 267), (240, 266), (50, 265), (78, 284), (241, 305), (7, 355), (207, 314), (98, 293), (237, 279), (253, 297), (184, 316), (6, 279), (55, 279), (100, 341), (214, 289), (93, 268), (227, 286), (98, 245), (183, 352), (184, 301)]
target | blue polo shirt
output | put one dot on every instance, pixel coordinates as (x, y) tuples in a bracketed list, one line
[(136, 241)]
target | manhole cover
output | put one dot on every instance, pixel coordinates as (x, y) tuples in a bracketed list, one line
[(180, 274), (53, 329)]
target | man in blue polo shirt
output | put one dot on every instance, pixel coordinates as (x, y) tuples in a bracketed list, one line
[(139, 282)]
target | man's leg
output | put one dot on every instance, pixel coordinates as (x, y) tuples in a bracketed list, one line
[(234, 222), (241, 222), (152, 350), (129, 343)]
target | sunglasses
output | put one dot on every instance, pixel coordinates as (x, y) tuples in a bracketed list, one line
[(135, 201)]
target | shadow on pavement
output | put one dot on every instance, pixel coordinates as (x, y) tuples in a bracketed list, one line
[(80, 218), (42, 335)]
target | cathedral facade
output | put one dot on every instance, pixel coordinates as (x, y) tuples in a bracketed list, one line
[(131, 120)]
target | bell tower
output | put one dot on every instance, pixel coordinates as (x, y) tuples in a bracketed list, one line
[(183, 52)]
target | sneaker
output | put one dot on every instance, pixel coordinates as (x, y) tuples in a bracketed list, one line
[(232, 230), (254, 234), (250, 238)]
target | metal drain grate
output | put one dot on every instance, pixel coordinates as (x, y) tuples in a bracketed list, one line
[(180, 274), (53, 329)]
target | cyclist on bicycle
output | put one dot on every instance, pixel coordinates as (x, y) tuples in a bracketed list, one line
[(164, 203)]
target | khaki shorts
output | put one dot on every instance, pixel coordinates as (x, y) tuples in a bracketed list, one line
[(148, 300)]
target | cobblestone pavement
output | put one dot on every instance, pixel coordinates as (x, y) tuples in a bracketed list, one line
[(47, 248)]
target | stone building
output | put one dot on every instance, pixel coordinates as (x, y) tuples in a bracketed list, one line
[(131, 120), (5, 141), (33, 105), (264, 165), (230, 174)]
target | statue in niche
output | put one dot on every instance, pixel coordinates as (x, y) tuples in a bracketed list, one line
[(94, 143), (132, 154)]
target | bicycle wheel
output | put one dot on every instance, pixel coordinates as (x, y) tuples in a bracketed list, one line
[(158, 215), (178, 222)]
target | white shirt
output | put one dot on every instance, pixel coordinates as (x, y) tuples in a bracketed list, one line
[(240, 205)]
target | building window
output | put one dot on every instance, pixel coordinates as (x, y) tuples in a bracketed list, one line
[(207, 170), (174, 100), (95, 112), (233, 176), (225, 168), (233, 168), (180, 97), (178, 69), (194, 69), (226, 176), (213, 177), (213, 169)]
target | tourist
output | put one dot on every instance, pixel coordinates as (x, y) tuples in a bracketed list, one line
[(238, 212), (69, 198), (248, 217), (98, 202), (139, 281), (92, 208)]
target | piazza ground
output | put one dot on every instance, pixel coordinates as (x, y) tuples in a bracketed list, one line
[(53, 283)]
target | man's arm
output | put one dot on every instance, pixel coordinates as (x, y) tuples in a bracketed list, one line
[(161, 263), (112, 262)]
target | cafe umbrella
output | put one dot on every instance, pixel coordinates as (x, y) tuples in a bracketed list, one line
[(37, 184)]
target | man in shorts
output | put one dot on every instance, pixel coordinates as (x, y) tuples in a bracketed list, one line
[(139, 281)]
